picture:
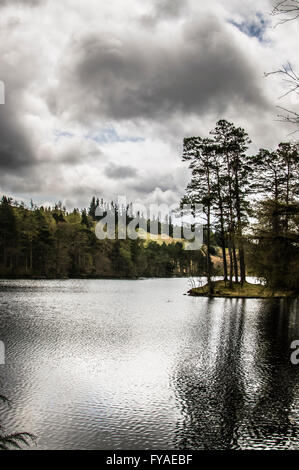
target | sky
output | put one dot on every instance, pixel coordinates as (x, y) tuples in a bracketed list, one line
[(99, 95)]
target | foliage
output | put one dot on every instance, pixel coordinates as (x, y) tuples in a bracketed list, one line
[(16, 440), (220, 173), (275, 251), (251, 204), (247, 290), (52, 243)]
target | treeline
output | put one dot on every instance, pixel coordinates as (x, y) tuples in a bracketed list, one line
[(252, 220), (53, 243), (252, 203)]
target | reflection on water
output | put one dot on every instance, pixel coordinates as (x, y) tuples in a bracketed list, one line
[(136, 365), (239, 390)]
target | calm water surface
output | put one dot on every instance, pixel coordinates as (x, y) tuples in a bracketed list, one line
[(108, 364)]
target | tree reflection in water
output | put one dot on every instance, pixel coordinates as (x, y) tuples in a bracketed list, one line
[(240, 390)]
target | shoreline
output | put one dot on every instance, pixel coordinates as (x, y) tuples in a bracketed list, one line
[(247, 291), (88, 278)]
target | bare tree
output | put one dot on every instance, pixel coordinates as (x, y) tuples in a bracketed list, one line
[(292, 79), (289, 11)]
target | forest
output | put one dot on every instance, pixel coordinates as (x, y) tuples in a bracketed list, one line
[(251, 201), (251, 223), (53, 243), (251, 208)]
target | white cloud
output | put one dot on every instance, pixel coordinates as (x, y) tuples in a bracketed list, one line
[(95, 88)]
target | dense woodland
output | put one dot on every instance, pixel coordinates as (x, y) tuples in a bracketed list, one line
[(252, 203), (53, 243), (252, 223)]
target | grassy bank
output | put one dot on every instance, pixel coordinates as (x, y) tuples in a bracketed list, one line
[(248, 291)]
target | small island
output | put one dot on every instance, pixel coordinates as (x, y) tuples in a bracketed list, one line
[(236, 290), (249, 208)]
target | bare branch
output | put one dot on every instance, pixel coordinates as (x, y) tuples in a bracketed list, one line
[(287, 8), (292, 79), (291, 116)]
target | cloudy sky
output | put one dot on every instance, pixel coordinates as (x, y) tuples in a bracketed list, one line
[(99, 94)]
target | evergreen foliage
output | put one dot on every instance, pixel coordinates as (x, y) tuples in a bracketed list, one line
[(52, 243)]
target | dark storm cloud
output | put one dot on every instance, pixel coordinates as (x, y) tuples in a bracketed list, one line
[(201, 70), (147, 184), (17, 153), (91, 83), (120, 172), (15, 149), (170, 8), (29, 3), (164, 10)]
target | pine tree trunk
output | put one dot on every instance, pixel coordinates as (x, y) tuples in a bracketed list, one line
[(233, 258), (224, 260), (241, 247), (4, 252), (222, 227), (235, 263), (31, 257), (231, 268), (209, 237), (239, 230), (209, 251), (223, 247), (242, 264)]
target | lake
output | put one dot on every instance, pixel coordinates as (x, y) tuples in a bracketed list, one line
[(119, 364)]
